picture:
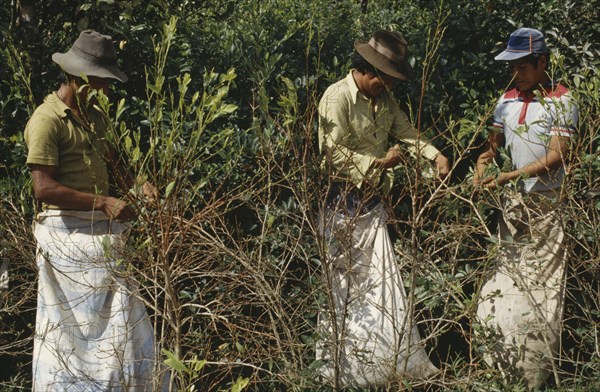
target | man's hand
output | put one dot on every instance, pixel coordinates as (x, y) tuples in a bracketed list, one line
[(116, 208), (150, 191), (493, 182), (442, 166), (393, 156)]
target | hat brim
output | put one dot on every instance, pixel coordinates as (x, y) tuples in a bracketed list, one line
[(77, 66), (509, 55), (402, 71)]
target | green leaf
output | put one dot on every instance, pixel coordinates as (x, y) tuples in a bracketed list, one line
[(174, 363), (169, 188), (225, 109), (120, 108), (493, 240), (240, 348), (153, 88), (136, 154), (106, 244), (128, 143), (240, 384), (199, 364)]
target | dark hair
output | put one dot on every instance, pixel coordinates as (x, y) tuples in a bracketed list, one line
[(363, 66), (534, 58)]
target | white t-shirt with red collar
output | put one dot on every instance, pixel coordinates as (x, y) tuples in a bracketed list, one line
[(528, 122)]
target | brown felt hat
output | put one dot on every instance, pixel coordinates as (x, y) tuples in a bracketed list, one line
[(386, 51), (92, 54)]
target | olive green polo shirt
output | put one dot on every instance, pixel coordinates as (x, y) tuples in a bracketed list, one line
[(56, 137), (355, 130)]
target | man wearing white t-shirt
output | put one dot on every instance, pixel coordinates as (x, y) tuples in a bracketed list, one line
[(522, 302)]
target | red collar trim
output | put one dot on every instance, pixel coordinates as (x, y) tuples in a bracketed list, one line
[(550, 91)]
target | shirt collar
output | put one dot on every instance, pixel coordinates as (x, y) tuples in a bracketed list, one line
[(57, 105), (550, 89), (352, 86)]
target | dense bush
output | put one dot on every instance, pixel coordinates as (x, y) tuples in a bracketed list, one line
[(219, 113)]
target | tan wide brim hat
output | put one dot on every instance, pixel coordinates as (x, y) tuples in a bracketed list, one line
[(386, 51), (92, 54)]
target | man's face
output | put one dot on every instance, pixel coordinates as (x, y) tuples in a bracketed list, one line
[(97, 83), (93, 83), (527, 76), (376, 84)]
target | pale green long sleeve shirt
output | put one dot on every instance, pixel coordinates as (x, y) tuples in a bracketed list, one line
[(355, 130)]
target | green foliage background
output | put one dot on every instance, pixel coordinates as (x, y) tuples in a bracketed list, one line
[(219, 113)]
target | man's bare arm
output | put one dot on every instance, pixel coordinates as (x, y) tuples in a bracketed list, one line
[(490, 149), (46, 189), (557, 154)]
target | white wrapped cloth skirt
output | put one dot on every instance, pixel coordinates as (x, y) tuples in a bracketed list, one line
[(366, 337), (522, 303), (92, 331)]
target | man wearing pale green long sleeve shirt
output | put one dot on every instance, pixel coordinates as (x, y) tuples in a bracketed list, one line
[(358, 116), (366, 339)]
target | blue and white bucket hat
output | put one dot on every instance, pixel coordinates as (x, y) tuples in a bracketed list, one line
[(523, 42)]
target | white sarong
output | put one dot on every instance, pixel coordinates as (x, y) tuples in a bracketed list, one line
[(92, 331), (3, 275), (373, 341), (521, 305)]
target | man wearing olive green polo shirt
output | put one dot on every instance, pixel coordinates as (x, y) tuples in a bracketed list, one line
[(369, 344), (92, 332), (72, 149)]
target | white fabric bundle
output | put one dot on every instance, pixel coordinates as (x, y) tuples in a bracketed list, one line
[(92, 332), (522, 303), (372, 341), (4, 279)]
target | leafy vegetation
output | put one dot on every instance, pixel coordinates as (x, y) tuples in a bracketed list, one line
[(219, 114)]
